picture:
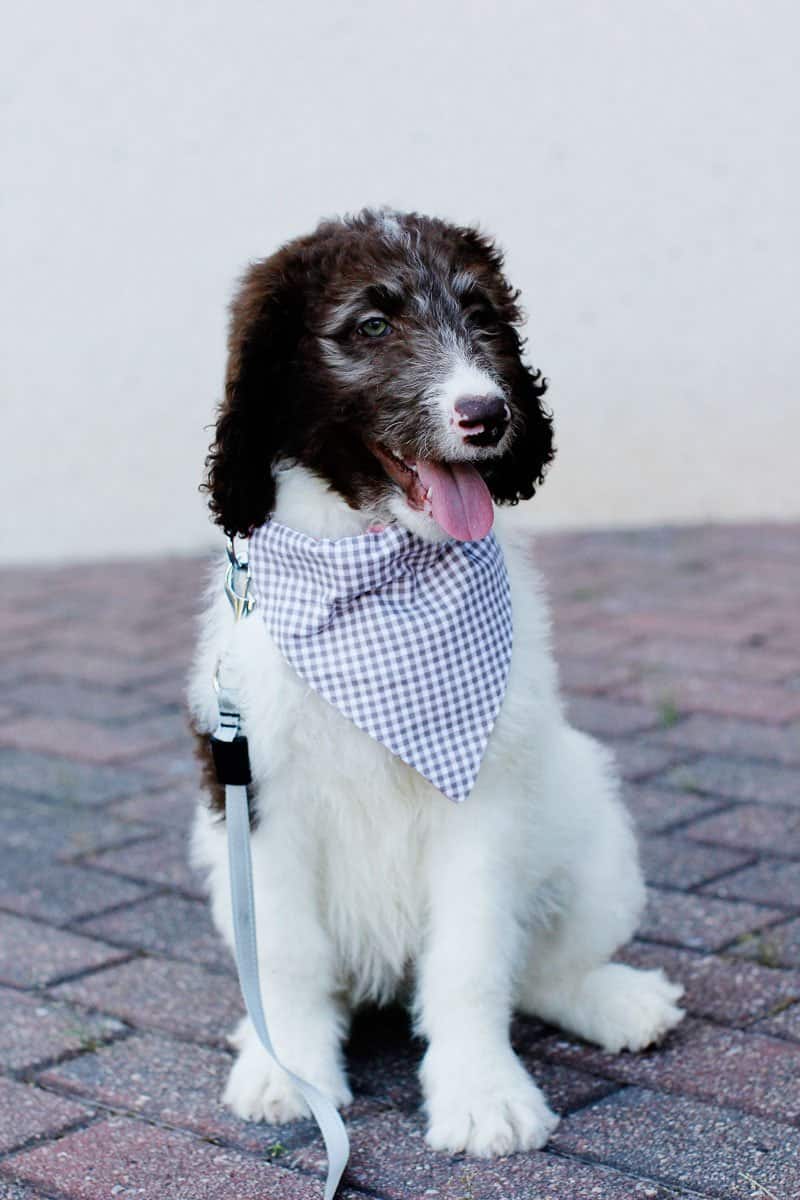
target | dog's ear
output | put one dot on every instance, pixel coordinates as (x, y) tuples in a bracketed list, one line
[(519, 472), (253, 420)]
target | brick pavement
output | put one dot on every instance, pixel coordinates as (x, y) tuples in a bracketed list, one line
[(681, 648)]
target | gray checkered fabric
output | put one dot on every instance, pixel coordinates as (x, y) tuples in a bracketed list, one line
[(409, 639)]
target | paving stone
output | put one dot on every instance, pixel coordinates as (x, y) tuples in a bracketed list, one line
[(738, 739), (68, 697), (610, 718), (175, 1083), (91, 742), (33, 954), (68, 782), (657, 809), (683, 1143), (156, 993), (674, 861), (163, 860), (785, 1023), (167, 925), (34, 1030), (737, 780), (639, 759), (591, 676), (60, 831), (17, 1191), (129, 1160), (63, 892), (767, 882), (27, 1112), (413, 1170), (730, 990), (674, 656), (758, 827), (700, 922), (727, 1067), (172, 806), (723, 697), (778, 946)]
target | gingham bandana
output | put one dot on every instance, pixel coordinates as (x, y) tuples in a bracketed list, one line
[(409, 639)]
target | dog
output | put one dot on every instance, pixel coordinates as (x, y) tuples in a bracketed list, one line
[(376, 353)]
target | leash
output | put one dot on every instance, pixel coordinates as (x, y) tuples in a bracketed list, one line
[(232, 765)]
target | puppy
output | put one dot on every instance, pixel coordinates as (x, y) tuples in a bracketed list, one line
[(365, 359)]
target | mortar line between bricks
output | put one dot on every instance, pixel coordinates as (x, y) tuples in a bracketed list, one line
[(684, 823), (30, 1074), (33, 1143), (76, 976), (672, 1188), (130, 839), (113, 873), (153, 892)]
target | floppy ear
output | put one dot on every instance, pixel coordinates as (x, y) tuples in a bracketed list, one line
[(519, 472), (253, 419)]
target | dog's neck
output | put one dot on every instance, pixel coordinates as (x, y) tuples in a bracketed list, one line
[(306, 503)]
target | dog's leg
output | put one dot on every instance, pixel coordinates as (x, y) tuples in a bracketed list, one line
[(567, 978), (306, 1022), (478, 1096)]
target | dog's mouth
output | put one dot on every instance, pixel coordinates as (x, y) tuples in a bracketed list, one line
[(453, 494)]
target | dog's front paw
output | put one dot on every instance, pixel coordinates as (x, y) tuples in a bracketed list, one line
[(489, 1112), (259, 1090)]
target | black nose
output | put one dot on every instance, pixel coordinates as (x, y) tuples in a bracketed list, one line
[(482, 419)]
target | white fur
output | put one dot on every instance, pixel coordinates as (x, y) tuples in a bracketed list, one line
[(368, 881)]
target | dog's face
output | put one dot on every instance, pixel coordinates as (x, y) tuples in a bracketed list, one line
[(382, 353)]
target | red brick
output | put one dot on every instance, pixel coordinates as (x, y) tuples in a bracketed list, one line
[(672, 861), (27, 1113), (156, 993), (701, 922), (724, 697), (730, 990), (658, 809), (175, 1083), (676, 658), (610, 718), (172, 806), (34, 1030), (736, 780), (63, 892), (31, 953), (163, 860), (776, 883), (735, 738), (687, 1144), (129, 1160), (165, 925), (92, 743), (390, 1159), (777, 946), (726, 1067), (67, 781), (639, 760), (757, 827)]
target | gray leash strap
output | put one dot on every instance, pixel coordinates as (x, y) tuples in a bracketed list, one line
[(237, 818)]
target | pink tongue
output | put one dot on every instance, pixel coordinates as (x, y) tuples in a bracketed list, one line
[(460, 499)]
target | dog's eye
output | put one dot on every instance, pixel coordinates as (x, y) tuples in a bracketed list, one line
[(375, 327)]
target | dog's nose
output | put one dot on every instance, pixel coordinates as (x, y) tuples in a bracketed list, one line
[(482, 420)]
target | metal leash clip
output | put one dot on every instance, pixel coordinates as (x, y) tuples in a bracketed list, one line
[(237, 583)]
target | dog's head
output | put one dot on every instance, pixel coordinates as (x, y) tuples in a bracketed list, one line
[(381, 352)]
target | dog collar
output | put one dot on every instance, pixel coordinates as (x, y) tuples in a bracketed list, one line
[(409, 639)]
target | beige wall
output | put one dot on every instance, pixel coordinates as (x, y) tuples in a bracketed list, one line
[(638, 161)]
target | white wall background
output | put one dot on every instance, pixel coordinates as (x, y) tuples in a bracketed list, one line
[(638, 160)]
